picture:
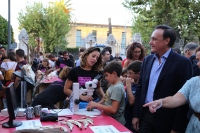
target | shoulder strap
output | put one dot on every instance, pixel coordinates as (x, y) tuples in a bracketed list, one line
[(14, 65), (6, 64)]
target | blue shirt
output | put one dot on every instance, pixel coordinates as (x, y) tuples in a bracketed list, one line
[(128, 112), (78, 63), (155, 72)]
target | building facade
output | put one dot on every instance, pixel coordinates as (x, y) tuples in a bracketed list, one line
[(79, 31)]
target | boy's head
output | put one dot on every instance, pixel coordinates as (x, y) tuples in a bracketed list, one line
[(124, 73), (20, 54), (133, 69), (112, 71)]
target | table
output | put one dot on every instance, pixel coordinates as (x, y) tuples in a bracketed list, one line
[(99, 120)]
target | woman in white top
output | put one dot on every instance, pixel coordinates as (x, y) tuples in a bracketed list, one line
[(9, 63)]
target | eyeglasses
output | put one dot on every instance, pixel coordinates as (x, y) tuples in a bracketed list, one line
[(130, 73), (136, 52)]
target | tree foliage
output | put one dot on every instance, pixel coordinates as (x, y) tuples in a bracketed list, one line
[(182, 15), (65, 5), (4, 31), (49, 23)]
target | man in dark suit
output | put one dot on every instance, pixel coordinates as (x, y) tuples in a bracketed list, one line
[(162, 74)]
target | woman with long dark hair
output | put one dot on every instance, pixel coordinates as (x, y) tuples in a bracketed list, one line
[(134, 52), (90, 67)]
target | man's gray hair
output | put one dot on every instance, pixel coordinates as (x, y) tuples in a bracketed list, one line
[(190, 46)]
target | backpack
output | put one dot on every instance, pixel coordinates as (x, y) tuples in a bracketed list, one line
[(9, 73), (35, 64)]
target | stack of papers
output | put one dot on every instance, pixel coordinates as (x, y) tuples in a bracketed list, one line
[(104, 129), (29, 124), (62, 112)]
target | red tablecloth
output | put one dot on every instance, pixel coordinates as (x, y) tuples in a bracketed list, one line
[(99, 120)]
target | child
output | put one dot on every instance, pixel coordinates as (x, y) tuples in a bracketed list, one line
[(124, 73), (133, 74), (44, 66), (114, 100), (123, 77)]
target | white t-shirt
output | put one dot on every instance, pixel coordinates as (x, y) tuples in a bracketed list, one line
[(52, 63), (9, 65)]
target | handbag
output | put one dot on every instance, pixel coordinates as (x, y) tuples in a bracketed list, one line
[(9, 73)]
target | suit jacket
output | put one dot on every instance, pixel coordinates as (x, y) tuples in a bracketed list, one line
[(176, 70)]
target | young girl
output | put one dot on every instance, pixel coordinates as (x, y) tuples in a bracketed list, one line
[(54, 92), (44, 66), (90, 67), (8, 66)]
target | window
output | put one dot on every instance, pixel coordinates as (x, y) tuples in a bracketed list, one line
[(94, 33), (78, 38), (123, 44)]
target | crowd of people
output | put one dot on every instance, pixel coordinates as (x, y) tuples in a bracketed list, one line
[(155, 93)]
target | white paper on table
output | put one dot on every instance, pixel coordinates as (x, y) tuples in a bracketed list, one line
[(29, 124), (104, 129)]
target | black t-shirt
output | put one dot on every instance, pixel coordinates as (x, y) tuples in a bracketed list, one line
[(54, 92), (77, 74), (58, 61), (62, 63), (120, 58), (42, 68)]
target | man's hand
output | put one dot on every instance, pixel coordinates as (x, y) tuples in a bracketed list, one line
[(172, 131), (135, 122)]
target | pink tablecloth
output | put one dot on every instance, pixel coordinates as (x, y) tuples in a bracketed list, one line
[(99, 120)]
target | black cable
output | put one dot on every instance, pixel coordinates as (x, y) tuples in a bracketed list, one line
[(57, 111), (4, 120), (61, 109), (65, 104)]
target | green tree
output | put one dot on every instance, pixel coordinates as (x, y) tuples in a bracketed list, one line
[(4, 31), (182, 15), (32, 19), (50, 23), (56, 28)]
